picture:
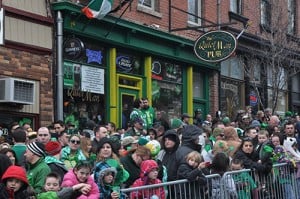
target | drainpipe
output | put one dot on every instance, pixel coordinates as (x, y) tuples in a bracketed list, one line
[(59, 64), (218, 14)]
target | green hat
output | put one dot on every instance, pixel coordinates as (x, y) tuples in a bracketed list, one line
[(176, 123), (226, 120), (288, 114), (142, 141)]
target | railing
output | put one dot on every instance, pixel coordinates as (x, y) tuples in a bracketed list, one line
[(280, 183)]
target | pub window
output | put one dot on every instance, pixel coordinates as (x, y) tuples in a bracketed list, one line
[(84, 51), (83, 94), (167, 87), (198, 85), (129, 63)]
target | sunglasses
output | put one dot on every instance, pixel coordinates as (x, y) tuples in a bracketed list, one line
[(45, 135), (75, 141)]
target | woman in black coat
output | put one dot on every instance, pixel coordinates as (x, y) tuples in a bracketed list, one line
[(250, 159)]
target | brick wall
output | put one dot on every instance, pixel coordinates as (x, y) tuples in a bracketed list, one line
[(21, 64)]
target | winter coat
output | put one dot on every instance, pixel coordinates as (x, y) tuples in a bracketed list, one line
[(64, 193), (71, 161), (17, 173), (133, 169), (147, 193), (70, 180), (167, 156), (189, 134), (56, 166), (146, 167), (36, 174), (196, 178), (250, 162)]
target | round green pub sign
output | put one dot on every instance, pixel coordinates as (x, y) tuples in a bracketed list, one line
[(215, 46)]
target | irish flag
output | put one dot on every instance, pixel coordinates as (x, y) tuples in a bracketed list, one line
[(97, 9)]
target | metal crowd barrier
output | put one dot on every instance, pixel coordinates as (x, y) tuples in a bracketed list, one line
[(280, 183)]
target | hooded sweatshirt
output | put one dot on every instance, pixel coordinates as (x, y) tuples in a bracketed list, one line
[(167, 155), (190, 133)]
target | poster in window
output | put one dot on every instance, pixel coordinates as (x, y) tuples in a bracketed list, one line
[(92, 79)]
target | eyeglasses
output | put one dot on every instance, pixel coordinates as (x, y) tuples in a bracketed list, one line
[(247, 139), (75, 141), (44, 135)]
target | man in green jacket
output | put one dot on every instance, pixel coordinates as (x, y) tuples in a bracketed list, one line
[(37, 168)]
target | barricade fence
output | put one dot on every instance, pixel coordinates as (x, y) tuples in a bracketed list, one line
[(280, 183)]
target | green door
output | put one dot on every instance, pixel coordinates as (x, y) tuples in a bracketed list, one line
[(126, 99)]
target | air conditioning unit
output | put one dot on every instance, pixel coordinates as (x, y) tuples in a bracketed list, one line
[(13, 90)]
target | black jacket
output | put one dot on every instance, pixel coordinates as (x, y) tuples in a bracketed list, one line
[(167, 156)]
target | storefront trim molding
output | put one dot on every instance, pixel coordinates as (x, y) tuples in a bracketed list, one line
[(112, 85), (189, 103), (130, 35), (148, 73)]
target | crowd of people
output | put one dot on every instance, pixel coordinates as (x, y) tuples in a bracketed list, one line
[(98, 161)]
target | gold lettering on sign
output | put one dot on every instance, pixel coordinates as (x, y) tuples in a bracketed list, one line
[(85, 96)]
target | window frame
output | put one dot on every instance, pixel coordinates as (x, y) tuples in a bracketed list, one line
[(291, 30), (236, 6), (153, 9), (198, 12), (266, 14)]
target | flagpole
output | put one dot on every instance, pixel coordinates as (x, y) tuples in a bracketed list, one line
[(116, 22)]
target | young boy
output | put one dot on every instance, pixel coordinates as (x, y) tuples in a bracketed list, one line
[(14, 183), (54, 191), (246, 187), (263, 149), (106, 184)]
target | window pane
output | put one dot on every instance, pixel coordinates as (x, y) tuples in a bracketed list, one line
[(193, 7), (291, 16), (146, 3), (167, 97), (281, 101), (167, 87), (198, 85), (233, 68)]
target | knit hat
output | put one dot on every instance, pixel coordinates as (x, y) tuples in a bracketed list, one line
[(15, 172), (255, 123), (147, 166), (37, 148), (176, 123), (52, 148)]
